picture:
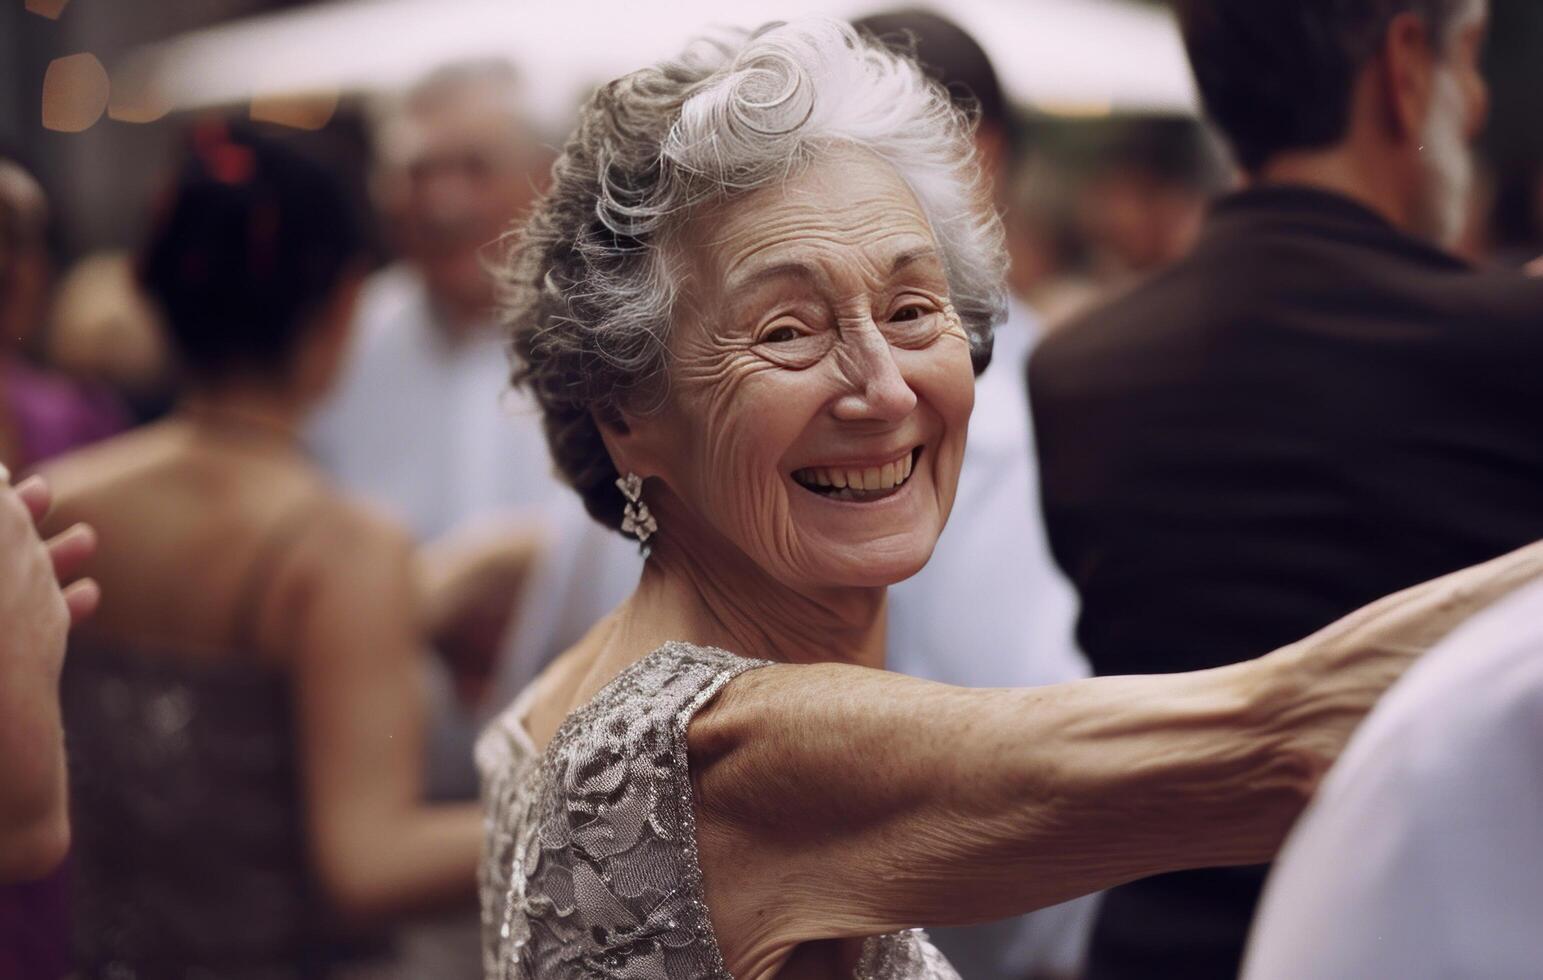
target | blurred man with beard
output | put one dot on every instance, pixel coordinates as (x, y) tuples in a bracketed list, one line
[(1318, 406)]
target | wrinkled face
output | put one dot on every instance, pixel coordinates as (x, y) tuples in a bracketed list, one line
[(820, 383), (1458, 109)]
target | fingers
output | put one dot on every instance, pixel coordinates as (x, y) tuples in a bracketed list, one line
[(71, 549), (82, 599), (34, 492)]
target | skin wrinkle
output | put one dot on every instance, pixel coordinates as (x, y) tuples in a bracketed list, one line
[(859, 241)]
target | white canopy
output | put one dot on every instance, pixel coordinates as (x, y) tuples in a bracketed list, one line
[(1069, 56)]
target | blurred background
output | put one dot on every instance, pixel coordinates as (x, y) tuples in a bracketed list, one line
[(96, 92), (1110, 172)]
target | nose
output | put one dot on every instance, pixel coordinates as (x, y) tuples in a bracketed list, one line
[(878, 390)]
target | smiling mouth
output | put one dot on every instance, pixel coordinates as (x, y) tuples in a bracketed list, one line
[(859, 484)]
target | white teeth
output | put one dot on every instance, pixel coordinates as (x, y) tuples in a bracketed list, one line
[(886, 477)]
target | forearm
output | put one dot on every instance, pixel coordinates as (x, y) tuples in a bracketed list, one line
[(393, 863), (1124, 777)]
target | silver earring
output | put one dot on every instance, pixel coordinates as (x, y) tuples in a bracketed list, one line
[(636, 519)]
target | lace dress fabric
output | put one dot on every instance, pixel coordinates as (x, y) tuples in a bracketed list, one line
[(590, 867)]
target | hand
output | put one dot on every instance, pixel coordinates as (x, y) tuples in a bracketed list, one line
[(68, 551), (37, 613), (470, 584), (1535, 268), (1341, 671), (36, 616)]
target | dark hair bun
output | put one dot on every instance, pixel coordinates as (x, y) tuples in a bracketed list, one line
[(249, 242)]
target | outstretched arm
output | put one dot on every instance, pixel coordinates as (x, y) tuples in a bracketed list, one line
[(837, 802)]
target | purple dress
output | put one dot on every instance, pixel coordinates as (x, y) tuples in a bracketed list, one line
[(50, 416), (53, 415)]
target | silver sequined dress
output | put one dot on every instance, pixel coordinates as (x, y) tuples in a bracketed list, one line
[(590, 868)]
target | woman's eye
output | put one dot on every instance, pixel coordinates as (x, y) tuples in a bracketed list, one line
[(780, 335), (909, 313)]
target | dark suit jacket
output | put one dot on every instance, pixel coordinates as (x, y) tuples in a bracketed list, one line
[(1310, 411)]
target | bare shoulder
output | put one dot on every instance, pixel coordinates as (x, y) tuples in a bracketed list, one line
[(105, 467), (348, 587), (566, 683), (345, 539)]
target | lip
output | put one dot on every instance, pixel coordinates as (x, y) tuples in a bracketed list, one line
[(859, 462)]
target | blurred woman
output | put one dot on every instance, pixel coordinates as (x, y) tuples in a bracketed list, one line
[(244, 715)]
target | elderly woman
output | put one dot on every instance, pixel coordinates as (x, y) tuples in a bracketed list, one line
[(751, 307)]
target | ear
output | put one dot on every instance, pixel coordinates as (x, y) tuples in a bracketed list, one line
[(631, 441), (1406, 68)]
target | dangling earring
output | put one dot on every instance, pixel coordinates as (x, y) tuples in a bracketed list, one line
[(636, 519)]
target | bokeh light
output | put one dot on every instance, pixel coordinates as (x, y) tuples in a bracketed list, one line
[(136, 95), (47, 8), (75, 93), (296, 111)]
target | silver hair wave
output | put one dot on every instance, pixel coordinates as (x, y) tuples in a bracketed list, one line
[(589, 283)]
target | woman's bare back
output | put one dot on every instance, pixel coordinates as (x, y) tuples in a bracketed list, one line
[(200, 534)]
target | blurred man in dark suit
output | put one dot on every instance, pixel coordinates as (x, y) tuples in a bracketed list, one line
[(1318, 406)]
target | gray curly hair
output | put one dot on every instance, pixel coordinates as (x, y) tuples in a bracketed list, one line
[(589, 283)]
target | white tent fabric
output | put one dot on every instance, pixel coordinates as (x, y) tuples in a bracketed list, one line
[(1070, 56)]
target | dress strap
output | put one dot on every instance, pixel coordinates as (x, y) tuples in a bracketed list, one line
[(257, 582)]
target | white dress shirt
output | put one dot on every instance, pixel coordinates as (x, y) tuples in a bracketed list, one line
[(1422, 858)]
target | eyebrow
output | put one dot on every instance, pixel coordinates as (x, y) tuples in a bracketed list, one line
[(800, 270), (912, 256), (782, 270)]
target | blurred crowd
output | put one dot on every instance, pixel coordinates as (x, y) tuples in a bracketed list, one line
[(332, 545)]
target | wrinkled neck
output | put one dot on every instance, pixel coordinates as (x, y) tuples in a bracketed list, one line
[(709, 592)]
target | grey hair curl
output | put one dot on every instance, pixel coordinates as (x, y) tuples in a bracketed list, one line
[(589, 284)]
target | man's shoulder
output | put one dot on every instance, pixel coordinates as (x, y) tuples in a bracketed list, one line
[(1312, 289)]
